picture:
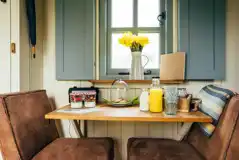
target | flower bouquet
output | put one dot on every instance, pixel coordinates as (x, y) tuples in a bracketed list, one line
[(136, 45)]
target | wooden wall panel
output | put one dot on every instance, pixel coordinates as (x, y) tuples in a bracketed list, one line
[(114, 130), (100, 127), (90, 128), (156, 129), (141, 129), (128, 131), (122, 131), (168, 130)]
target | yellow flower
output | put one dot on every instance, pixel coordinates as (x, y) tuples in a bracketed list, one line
[(133, 41), (126, 40), (142, 40)]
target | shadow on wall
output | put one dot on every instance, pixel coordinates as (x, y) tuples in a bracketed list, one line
[(58, 122)]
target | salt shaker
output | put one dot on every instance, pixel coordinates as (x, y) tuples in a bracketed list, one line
[(144, 98)]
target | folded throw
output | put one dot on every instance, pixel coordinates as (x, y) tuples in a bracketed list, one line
[(214, 100)]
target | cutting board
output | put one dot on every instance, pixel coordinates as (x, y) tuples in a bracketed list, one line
[(172, 66)]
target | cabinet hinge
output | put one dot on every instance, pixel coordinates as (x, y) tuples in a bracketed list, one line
[(13, 48)]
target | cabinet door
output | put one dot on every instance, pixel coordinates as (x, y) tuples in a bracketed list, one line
[(202, 37), (5, 54), (75, 39)]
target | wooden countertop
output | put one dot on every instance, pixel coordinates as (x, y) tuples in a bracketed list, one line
[(106, 113)]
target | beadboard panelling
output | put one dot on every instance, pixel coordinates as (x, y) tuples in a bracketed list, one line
[(168, 130), (128, 131), (114, 131), (141, 129), (156, 129), (100, 127), (122, 131), (175, 130), (90, 128)]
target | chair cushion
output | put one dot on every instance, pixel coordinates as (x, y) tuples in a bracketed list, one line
[(214, 100), (160, 149), (78, 149)]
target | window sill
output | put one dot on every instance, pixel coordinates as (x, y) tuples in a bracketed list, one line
[(138, 81)]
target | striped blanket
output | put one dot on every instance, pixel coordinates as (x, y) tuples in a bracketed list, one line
[(214, 100)]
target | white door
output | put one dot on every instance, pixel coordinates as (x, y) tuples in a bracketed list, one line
[(5, 57), (5, 63)]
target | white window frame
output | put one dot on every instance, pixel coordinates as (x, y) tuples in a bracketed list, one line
[(106, 72)]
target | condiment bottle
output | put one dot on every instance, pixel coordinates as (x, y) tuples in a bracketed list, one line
[(155, 96), (144, 100)]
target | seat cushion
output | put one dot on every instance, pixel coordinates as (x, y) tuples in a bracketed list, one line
[(78, 149), (160, 149)]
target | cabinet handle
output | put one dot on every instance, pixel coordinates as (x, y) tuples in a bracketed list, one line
[(4, 1)]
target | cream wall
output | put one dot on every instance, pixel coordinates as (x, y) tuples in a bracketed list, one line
[(120, 131)]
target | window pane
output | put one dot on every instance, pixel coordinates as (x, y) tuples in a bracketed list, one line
[(148, 10), (152, 50), (122, 13), (120, 55)]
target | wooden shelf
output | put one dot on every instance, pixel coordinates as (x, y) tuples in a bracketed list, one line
[(137, 81)]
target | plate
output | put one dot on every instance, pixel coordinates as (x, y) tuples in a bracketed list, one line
[(127, 104), (120, 104)]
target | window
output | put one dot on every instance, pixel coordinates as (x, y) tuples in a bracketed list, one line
[(138, 17)]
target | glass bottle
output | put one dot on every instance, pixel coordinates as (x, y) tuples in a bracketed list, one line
[(144, 100), (155, 96)]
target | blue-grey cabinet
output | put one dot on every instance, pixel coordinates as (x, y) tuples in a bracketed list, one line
[(202, 37), (75, 39)]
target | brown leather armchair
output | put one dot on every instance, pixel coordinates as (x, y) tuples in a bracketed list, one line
[(25, 134), (223, 145)]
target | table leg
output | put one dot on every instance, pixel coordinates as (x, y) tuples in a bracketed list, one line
[(183, 131), (79, 126)]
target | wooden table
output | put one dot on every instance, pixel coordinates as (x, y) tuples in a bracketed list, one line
[(105, 113)]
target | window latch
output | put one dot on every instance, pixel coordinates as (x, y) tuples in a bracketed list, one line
[(162, 17)]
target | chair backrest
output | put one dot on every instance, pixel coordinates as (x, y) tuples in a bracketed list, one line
[(217, 146), (233, 150), (23, 129)]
